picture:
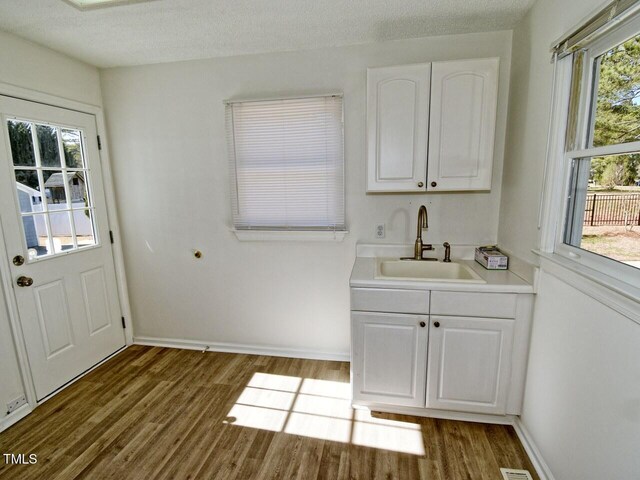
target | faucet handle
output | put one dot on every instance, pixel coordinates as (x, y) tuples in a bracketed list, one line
[(427, 247)]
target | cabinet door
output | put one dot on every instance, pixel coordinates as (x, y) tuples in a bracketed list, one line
[(462, 123), (469, 364), (389, 354), (397, 116)]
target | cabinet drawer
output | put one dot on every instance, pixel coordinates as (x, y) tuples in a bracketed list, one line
[(468, 304), (390, 300)]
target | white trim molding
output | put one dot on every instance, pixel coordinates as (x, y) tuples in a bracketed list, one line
[(15, 325), (247, 349), (553, 182), (15, 416), (607, 290), (542, 469), (289, 235)]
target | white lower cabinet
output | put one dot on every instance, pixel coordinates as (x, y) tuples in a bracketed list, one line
[(469, 363), (463, 353), (388, 358)]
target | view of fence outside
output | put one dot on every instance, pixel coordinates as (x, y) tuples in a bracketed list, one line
[(611, 225), (612, 209), (81, 220)]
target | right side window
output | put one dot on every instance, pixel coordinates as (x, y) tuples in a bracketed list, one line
[(602, 213)]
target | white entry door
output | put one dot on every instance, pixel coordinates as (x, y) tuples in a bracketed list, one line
[(56, 233)]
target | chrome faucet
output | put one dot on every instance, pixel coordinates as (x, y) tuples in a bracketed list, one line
[(420, 248)]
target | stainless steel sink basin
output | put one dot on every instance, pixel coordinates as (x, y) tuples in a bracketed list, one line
[(425, 271)]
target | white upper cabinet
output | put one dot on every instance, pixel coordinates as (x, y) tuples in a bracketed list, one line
[(462, 123), (397, 122), (431, 127)]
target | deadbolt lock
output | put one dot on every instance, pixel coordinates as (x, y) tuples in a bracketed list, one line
[(18, 260)]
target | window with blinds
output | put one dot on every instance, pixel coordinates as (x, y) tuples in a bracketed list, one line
[(286, 161)]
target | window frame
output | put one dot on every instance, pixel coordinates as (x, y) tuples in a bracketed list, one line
[(260, 233), (558, 178), (65, 170)]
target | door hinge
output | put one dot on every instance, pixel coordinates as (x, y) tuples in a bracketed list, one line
[(111, 236), (99, 143), (123, 324)]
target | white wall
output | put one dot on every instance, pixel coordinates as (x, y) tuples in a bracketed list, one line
[(28, 65), (582, 400), (167, 138), (581, 404), (31, 66)]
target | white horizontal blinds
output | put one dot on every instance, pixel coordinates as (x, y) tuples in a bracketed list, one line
[(288, 160)]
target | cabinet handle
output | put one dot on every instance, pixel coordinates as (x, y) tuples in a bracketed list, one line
[(420, 184), (422, 324), (434, 184), (436, 324)]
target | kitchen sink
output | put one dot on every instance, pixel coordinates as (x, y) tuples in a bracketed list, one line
[(426, 271)]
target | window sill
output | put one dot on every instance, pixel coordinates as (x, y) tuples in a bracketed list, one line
[(289, 236), (621, 296)]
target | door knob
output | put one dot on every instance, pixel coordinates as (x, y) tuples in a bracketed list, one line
[(436, 324), (420, 184), (422, 324), (18, 260), (434, 184), (24, 281)]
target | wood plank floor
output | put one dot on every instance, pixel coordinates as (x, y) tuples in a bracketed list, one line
[(157, 413)]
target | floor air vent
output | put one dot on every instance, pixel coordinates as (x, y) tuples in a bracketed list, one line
[(511, 474)]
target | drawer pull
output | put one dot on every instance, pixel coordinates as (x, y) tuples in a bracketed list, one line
[(436, 324)]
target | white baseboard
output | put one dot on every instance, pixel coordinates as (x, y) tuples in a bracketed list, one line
[(543, 470), (15, 416), (241, 348)]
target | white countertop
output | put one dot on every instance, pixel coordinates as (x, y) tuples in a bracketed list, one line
[(364, 268)]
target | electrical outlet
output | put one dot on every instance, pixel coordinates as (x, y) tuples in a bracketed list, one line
[(380, 230), (16, 403)]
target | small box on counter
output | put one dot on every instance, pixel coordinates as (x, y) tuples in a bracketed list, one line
[(491, 258)]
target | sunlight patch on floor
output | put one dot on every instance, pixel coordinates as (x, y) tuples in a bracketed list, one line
[(319, 409)]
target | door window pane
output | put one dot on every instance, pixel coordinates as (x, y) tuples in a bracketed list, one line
[(71, 142), (28, 190), (603, 215), (78, 189), (48, 144), (35, 233), (61, 231), (54, 187), (28, 178), (617, 103), (21, 141), (84, 227)]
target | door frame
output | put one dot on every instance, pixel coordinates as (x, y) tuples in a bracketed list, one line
[(112, 219)]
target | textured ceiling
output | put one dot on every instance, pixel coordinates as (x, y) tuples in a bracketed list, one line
[(170, 30)]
